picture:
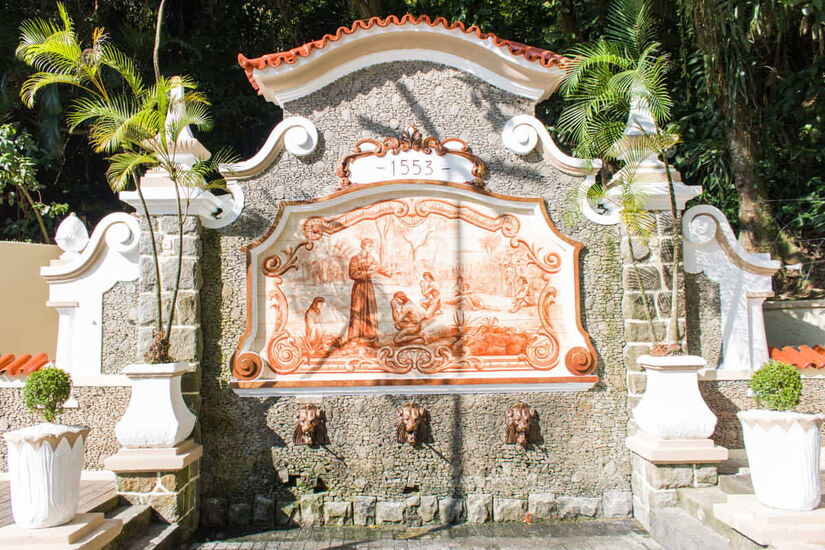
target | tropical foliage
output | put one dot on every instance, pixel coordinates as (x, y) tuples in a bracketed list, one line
[(769, 54), (140, 126), (20, 188)]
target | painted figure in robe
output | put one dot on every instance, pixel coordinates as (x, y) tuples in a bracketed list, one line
[(363, 313)]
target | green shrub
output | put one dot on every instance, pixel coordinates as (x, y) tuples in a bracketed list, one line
[(45, 392), (776, 386)]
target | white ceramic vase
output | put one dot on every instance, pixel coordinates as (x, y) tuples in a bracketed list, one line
[(783, 453), (672, 406), (44, 470), (157, 415)]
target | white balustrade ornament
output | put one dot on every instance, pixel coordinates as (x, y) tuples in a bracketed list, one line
[(674, 421), (744, 281), (77, 282), (157, 415)]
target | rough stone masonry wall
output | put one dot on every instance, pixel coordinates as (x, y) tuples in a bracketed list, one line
[(646, 302), (249, 461), (173, 495)]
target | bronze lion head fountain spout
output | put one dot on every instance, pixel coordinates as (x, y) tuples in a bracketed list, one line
[(521, 425), (310, 426), (413, 424)]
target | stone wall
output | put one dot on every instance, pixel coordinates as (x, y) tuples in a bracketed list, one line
[(120, 315), (98, 407), (247, 441)]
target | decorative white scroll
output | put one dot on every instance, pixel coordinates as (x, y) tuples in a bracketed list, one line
[(76, 288), (744, 282)]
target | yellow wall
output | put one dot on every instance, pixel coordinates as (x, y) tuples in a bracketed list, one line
[(26, 324)]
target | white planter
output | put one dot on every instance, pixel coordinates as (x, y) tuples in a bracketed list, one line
[(672, 406), (44, 470), (157, 415), (783, 454)]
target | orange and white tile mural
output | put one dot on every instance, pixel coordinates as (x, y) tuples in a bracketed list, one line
[(413, 284)]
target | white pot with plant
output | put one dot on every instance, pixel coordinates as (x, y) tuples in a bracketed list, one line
[(782, 445), (45, 460)]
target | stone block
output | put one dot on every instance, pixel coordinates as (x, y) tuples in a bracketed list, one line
[(428, 509), (190, 273), (632, 352), (363, 510), (185, 343), (312, 509), (643, 278), (542, 505), (389, 513), (411, 517), (213, 512), (617, 504), (169, 224), (636, 382), (637, 247), (173, 481), (509, 509), (337, 513), (705, 475), (634, 306), (641, 331), (450, 510), (572, 507), (479, 508), (240, 514), (288, 513), (263, 510), (666, 476), (136, 482), (191, 381)]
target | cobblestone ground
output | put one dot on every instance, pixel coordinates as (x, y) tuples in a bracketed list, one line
[(585, 535)]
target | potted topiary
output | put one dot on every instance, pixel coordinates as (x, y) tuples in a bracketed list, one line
[(45, 460), (782, 445)]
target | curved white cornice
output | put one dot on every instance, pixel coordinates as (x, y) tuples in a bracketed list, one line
[(705, 225), (296, 134), (484, 58), (523, 133), (118, 232)]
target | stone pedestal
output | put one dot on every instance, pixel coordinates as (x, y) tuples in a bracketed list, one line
[(157, 416), (85, 531), (168, 480)]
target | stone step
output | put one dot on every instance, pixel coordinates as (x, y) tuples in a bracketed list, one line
[(674, 529), (771, 527), (106, 506), (741, 484), (699, 503), (157, 536), (135, 518)]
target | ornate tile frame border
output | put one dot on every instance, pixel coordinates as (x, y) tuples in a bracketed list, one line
[(247, 365)]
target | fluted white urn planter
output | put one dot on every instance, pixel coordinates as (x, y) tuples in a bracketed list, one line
[(157, 415), (44, 473), (783, 454), (672, 406)]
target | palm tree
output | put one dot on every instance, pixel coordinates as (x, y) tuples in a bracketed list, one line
[(618, 111), (140, 126)]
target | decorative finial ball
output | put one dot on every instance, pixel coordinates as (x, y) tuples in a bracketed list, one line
[(72, 236)]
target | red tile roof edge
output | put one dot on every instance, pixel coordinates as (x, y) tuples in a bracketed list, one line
[(805, 357), (22, 365), (544, 57)]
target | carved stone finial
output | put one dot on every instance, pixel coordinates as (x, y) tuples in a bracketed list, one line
[(413, 424), (521, 425), (72, 236), (310, 426)]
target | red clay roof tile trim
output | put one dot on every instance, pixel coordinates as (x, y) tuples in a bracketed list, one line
[(530, 53), (803, 358), (22, 365)]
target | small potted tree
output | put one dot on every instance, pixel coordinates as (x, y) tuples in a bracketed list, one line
[(45, 460), (782, 445)]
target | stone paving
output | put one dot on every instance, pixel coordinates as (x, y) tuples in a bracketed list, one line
[(571, 535)]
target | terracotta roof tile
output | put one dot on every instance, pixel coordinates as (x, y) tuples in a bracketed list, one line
[(546, 58), (803, 357), (22, 365)]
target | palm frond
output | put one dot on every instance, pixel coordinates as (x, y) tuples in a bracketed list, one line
[(125, 167), (37, 81)]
